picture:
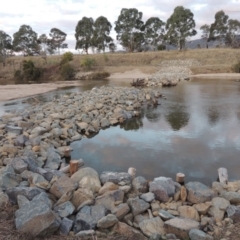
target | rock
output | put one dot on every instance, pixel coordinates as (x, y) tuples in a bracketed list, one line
[(3, 199), (140, 184), (9, 180), (116, 177), (121, 210), (219, 187), (83, 126), (62, 185), (128, 232), (21, 140), (126, 189), (84, 234), (108, 186), (65, 226), (39, 181), (198, 192), (53, 161), (147, 197), (14, 129), (88, 217), (82, 196), (233, 212), (188, 212), (31, 214), (165, 215), (104, 123), (43, 197), (159, 192), (171, 236), (109, 199), (233, 197), (140, 217), (19, 165), (28, 192), (107, 221), (87, 178), (183, 194), (64, 209), (180, 227), (151, 226), (155, 236), (202, 208), (196, 234), (219, 207), (137, 206), (21, 200)]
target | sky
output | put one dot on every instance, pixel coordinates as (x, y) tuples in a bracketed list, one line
[(42, 15)]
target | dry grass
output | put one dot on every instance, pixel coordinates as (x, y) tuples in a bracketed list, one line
[(212, 61)]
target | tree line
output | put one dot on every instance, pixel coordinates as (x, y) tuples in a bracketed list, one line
[(132, 33)]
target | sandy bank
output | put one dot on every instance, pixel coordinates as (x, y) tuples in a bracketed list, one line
[(136, 73), (218, 75)]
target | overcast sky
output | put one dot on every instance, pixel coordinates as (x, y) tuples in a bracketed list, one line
[(42, 15)]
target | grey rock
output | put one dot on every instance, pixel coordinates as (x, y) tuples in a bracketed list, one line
[(219, 207), (233, 212), (151, 226), (233, 197), (3, 199), (137, 206), (64, 209), (28, 192), (65, 226), (159, 192), (104, 123), (140, 184), (14, 129), (86, 233), (155, 236), (167, 183), (19, 165), (21, 200), (53, 161), (121, 211), (107, 221), (43, 197), (116, 177), (171, 236), (196, 234), (147, 197), (199, 193), (9, 180), (165, 215), (21, 140)]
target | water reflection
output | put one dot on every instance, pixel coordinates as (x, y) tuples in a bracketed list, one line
[(213, 115)]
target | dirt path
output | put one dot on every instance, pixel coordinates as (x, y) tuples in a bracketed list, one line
[(218, 75)]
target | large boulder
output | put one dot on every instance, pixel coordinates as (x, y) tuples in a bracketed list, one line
[(199, 193), (233, 212), (137, 205), (65, 226), (64, 209), (121, 211), (9, 180), (140, 184), (159, 192), (108, 186), (34, 212), (151, 226), (219, 206), (19, 165), (195, 234), (188, 212), (232, 197), (87, 178), (116, 177), (53, 160), (82, 196), (107, 221)]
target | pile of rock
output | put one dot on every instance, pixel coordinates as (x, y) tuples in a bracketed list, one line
[(86, 204), (171, 72), (47, 128)]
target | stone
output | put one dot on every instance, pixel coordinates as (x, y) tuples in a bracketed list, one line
[(195, 234), (233, 186), (104, 123), (188, 212), (155, 236), (43, 197), (126, 189), (137, 206), (198, 192), (14, 129), (167, 183), (121, 211), (116, 177), (180, 227), (19, 165), (65, 226), (151, 226), (140, 217), (9, 180), (140, 184), (21, 200), (147, 197), (31, 214), (39, 181), (21, 140), (107, 221), (171, 236), (108, 186), (159, 192), (219, 187), (83, 126), (219, 207), (64, 209), (53, 161), (3, 199), (82, 196), (183, 194), (128, 232), (232, 197), (84, 234), (165, 215), (233, 212), (62, 185), (87, 178), (202, 208), (88, 217), (109, 199), (28, 192)]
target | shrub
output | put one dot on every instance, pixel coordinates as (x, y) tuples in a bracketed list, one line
[(88, 63), (67, 71), (236, 67), (66, 57), (106, 59), (161, 47)]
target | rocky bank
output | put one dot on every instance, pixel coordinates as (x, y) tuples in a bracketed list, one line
[(33, 144)]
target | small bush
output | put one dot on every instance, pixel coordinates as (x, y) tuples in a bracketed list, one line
[(161, 47), (88, 63), (98, 75), (106, 59), (67, 71), (66, 57), (236, 67)]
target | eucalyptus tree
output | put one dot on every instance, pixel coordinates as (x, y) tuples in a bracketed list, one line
[(180, 26), (233, 32), (129, 28), (57, 39), (100, 38), (5, 45), (205, 33), (154, 31), (84, 34), (25, 40)]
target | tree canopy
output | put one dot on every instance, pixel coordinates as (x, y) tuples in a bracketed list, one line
[(180, 26), (5, 45), (57, 39)]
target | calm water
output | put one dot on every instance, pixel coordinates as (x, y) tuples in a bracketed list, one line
[(195, 131)]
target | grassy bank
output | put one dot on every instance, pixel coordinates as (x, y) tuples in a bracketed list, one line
[(211, 60)]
